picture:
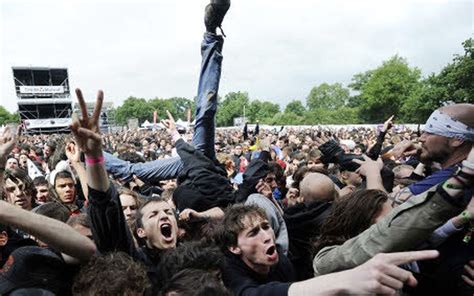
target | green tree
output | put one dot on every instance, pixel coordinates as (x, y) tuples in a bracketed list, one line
[(178, 106), (384, 90), (262, 111), (15, 117), (134, 108), (286, 118), (329, 96), (454, 83), (7, 117), (295, 107), (230, 107), (342, 115)]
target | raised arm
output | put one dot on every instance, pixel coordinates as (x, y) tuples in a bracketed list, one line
[(7, 143), (73, 155), (87, 135), (371, 170), (109, 228), (374, 152)]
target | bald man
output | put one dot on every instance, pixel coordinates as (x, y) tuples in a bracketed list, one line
[(317, 187), (304, 220), (448, 135), (447, 139)]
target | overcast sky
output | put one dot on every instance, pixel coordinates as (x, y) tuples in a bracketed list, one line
[(276, 50)]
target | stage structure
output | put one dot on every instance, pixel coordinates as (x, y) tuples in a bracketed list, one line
[(44, 98), (107, 119)]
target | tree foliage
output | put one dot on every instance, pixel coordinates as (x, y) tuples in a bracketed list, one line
[(134, 108), (391, 88), (7, 117), (342, 115), (384, 90), (454, 83), (262, 111), (177, 106), (295, 107), (328, 96), (232, 106)]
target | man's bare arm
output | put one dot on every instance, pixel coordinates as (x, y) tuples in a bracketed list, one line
[(54, 233)]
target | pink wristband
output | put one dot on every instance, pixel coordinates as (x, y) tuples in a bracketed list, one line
[(92, 161)]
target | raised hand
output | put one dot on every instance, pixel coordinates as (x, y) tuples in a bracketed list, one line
[(264, 189), (86, 129), (7, 143), (368, 165), (72, 153), (169, 124), (388, 124), (189, 214)]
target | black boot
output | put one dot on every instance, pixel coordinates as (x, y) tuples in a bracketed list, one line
[(214, 14)]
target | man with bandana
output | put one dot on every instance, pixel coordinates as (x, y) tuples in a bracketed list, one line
[(446, 140)]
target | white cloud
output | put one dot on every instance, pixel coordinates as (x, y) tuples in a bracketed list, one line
[(275, 50)]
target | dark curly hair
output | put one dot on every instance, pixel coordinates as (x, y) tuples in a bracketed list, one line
[(111, 274), (195, 255), (233, 222), (195, 282), (350, 216)]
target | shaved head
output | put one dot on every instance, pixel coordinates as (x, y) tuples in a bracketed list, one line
[(461, 112), (317, 187), (445, 149)]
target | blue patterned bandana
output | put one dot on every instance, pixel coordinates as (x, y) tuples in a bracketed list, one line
[(446, 126)]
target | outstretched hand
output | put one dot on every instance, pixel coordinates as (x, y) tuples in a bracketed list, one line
[(86, 129), (404, 148), (381, 274)]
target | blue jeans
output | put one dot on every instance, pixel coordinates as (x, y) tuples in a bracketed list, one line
[(204, 128)]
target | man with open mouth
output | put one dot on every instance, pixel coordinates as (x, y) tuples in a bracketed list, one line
[(254, 265)]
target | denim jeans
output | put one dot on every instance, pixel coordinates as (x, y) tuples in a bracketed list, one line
[(204, 128)]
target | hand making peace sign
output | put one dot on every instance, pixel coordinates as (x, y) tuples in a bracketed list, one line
[(86, 129)]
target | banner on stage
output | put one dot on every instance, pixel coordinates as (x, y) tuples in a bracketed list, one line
[(46, 89)]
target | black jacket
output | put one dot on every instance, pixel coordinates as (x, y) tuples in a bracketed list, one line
[(111, 233), (303, 223), (241, 280), (201, 184)]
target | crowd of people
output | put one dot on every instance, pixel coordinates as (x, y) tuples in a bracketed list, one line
[(202, 211)]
